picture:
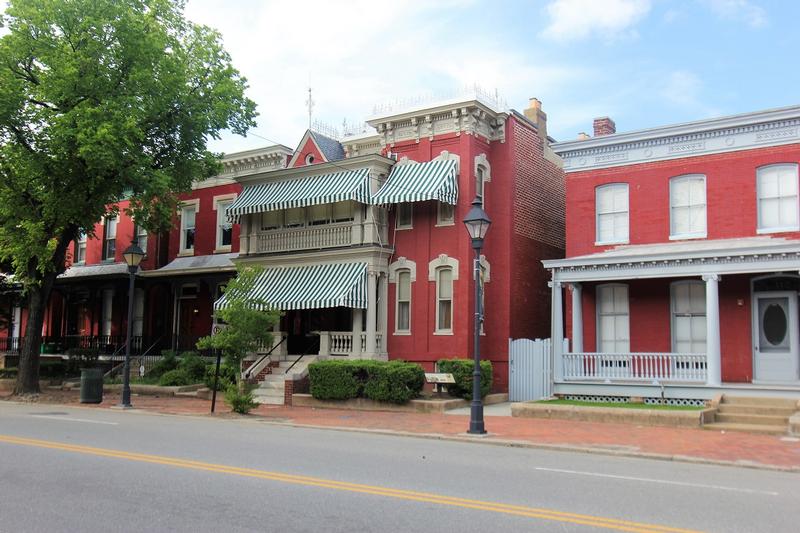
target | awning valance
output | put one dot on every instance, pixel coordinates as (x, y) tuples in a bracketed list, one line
[(417, 182), (302, 192), (311, 287)]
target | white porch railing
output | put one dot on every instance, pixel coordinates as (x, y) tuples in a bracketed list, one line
[(650, 366), (341, 342), (378, 337), (310, 238)]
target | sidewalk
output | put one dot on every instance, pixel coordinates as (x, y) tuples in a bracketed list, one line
[(695, 445)]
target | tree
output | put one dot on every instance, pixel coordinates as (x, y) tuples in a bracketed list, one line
[(248, 326), (101, 100)]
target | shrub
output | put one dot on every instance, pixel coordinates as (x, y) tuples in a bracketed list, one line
[(167, 362), (462, 373), (396, 381), (240, 401), (78, 358), (194, 366), (227, 376), (174, 378)]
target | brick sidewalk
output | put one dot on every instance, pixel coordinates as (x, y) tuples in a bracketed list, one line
[(690, 444)]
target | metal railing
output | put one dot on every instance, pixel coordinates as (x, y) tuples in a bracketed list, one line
[(255, 366), (312, 347), (640, 366)]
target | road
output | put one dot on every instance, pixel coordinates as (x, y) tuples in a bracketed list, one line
[(90, 470)]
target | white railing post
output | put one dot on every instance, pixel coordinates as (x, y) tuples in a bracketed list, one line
[(557, 335), (577, 318), (324, 343), (713, 377)]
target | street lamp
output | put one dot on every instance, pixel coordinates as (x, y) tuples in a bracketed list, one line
[(477, 223), (133, 256)]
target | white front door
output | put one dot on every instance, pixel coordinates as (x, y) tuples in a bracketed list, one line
[(776, 356)]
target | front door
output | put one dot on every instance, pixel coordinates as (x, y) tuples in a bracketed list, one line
[(776, 356)]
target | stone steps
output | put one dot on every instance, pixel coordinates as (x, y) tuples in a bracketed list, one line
[(754, 414), (744, 409), (786, 403), (764, 420), (749, 428)]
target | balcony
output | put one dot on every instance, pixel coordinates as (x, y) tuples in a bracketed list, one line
[(635, 367), (320, 237)]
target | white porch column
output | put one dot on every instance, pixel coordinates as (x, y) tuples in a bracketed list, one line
[(16, 321), (324, 343), (138, 312), (244, 234), (577, 318), (557, 331), (357, 319), (383, 312), (713, 355), (108, 307), (372, 313)]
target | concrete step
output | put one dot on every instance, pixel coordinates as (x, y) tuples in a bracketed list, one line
[(747, 428), (271, 385), (786, 403), (269, 400), (763, 420), (745, 409)]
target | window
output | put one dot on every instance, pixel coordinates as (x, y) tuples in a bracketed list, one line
[(224, 227), (271, 220), (612, 213), (110, 239), (405, 216), (777, 198), (480, 177), (309, 159), (80, 248), (612, 319), (689, 317), (687, 201), (403, 312), (295, 217), (319, 214), (445, 215), (444, 300), (188, 215), (342, 212), (141, 237)]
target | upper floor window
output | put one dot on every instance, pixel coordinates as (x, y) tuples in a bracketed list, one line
[(444, 300), (688, 317), (613, 331), (777, 198), (480, 177), (612, 213), (687, 202), (80, 248), (188, 216), (295, 217), (271, 220), (140, 235), (405, 216), (224, 226), (342, 212), (110, 238), (445, 214), (403, 309), (319, 214)]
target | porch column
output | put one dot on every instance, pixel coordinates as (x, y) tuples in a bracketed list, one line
[(357, 320), (108, 307), (577, 318), (372, 314), (557, 332), (713, 356), (383, 312)]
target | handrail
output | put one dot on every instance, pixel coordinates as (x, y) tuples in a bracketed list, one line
[(251, 367), (147, 351), (305, 353), (115, 368)]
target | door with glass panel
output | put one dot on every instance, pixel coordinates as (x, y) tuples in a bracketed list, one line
[(776, 356)]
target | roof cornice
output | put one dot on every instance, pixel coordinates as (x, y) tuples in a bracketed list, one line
[(376, 161)]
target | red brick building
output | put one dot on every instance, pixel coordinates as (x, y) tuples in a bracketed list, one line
[(683, 254)]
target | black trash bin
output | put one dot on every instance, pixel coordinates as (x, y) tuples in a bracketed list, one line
[(91, 385)]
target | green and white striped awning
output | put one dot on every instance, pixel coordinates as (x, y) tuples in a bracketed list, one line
[(417, 182), (311, 287), (302, 192)]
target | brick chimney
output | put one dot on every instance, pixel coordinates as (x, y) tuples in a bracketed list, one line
[(535, 114), (604, 126)]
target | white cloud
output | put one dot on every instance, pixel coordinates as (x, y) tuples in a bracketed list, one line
[(741, 10), (572, 20)]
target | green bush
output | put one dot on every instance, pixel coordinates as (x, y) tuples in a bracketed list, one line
[(396, 381), (167, 362), (175, 378), (227, 376), (240, 401), (193, 365), (462, 373)]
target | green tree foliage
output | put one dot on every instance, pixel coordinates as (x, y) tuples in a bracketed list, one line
[(101, 100)]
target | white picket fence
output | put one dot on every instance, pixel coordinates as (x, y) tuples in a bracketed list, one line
[(530, 369)]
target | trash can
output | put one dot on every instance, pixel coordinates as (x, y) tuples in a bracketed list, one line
[(91, 385)]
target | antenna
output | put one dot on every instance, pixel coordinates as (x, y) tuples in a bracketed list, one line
[(310, 105)]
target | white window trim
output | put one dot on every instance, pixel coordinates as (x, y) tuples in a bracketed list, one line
[(437, 271), (672, 308), (223, 198), (444, 223), (408, 226), (82, 239), (597, 189), (397, 330), (403, 265), (481, 161), (182, 251), (782, 229), (598, 330), (443, 261), (103, 254), (683, 236)]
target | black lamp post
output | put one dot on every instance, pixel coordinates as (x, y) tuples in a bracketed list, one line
[(477, 223), (133, 256)]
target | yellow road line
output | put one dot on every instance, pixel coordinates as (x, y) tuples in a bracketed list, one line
[(517, 510)]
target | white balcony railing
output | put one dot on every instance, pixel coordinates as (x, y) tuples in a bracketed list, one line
[(341, 342), (310, 238), (643, 367)]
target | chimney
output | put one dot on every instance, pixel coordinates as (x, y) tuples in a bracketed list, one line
[(535, 114), (604, 126), (582, 136)]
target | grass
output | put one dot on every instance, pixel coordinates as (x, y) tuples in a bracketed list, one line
[(621, 405)]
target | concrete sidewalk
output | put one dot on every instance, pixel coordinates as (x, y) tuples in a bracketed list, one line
[(696, 445)]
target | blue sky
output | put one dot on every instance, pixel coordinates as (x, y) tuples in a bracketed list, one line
[(643, 62)]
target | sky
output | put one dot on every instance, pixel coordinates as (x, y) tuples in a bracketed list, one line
[(644, 63)]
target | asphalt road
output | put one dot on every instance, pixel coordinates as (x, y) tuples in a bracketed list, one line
[(86, 470)]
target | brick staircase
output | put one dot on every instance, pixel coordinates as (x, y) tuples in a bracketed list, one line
[(754, 415), (271, 383)]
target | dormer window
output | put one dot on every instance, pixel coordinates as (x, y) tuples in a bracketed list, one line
[(310, 159)]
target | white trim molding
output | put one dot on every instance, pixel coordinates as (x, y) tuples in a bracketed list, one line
[(442, 260), (402, 264)]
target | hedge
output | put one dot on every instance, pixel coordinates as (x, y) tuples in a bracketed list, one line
[(394, 381), (175, 378), (462, 373)]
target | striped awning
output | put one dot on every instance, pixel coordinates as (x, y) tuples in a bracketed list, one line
[(302, 192), (311, 287), (417, 182)]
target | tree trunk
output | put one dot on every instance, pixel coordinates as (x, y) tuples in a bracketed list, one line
[(28, 373)]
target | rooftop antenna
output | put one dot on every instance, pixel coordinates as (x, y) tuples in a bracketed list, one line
[(310, 105)]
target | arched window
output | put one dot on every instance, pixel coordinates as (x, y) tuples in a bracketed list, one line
[(403, 303), (444, 300)]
